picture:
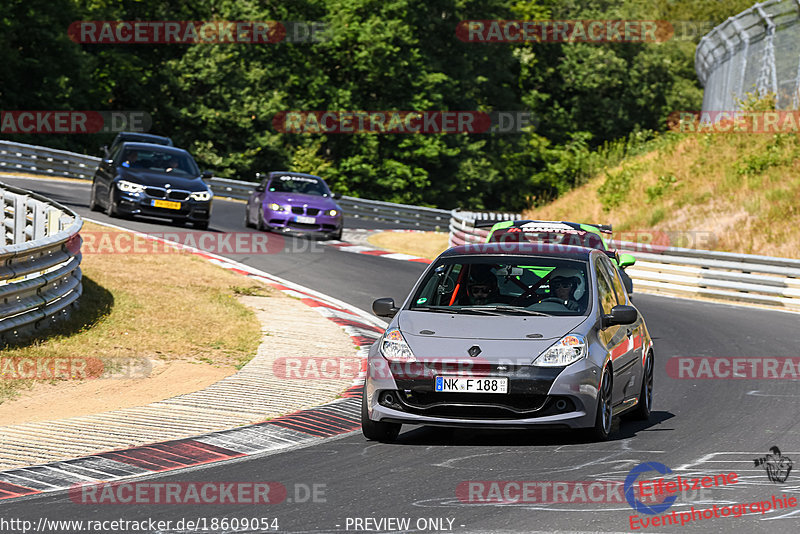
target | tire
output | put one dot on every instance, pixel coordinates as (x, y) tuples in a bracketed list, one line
[(111, 208), (247, 223), (645, 404), (200, 225), (93, 205), (376, 430), (260, 225), (337, 236), (602, 421)]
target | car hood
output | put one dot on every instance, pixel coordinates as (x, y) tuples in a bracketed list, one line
[(160, 179), (500, 338), (313, 201)]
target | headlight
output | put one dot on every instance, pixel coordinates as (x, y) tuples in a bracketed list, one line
[(201, 196), (569, 349), (332, 213), (394, 348), (129, 187), (277, 207)]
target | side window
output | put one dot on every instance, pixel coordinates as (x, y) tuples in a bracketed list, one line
[(607, 298), (616, 282), (115, 153)]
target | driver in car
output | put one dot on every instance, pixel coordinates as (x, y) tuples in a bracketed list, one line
[(563, 288)]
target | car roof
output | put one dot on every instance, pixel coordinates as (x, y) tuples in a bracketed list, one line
[(136, 145), (142, 135), (521, 249)]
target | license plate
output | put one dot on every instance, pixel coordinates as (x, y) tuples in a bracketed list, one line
[(167, 204), (305, 220), (449, 384)]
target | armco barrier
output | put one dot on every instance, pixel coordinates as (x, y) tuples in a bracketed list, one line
[(17, 157), (468, 227), (40, 275), (746, 278)]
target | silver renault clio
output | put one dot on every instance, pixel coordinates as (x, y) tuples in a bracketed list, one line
[(510, 335)]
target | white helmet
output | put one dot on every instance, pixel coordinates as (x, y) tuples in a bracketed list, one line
[(577, 277)]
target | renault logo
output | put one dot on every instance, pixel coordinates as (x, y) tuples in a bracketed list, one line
[(474, 350)]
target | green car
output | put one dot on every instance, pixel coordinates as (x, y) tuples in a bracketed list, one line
[(563, 233)]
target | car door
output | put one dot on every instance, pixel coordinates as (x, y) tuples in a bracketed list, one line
[(627, 357), (613, 337)]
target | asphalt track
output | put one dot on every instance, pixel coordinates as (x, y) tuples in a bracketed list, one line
[(699, 427)]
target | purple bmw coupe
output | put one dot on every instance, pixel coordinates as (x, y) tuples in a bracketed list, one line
[(294, 202)]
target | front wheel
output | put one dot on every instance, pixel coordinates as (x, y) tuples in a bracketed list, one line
[(261, 225), (376, 430), (111, 208), (602, 422), (93, 205), (337, 236), (247, 223)]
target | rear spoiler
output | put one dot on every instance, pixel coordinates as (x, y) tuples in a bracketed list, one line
[(605, 228)]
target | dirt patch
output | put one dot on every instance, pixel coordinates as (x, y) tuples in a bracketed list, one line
[(44, 401)]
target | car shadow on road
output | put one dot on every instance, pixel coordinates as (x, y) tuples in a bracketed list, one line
[(469, 437)]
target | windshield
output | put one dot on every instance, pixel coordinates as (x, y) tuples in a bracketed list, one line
[(153, 160), (298, 184), (503, 285)]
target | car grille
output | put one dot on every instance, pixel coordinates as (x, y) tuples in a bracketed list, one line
[(171, 194), (302, 226), (178, 195), (155, 192), (298, 210), (478, 405)]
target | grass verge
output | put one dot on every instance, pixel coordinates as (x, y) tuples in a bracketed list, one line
[(422, 244), (157, 306)]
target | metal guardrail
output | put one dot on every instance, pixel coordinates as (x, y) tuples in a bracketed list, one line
[(465, 226), (40, 275), (18, 157), (746, 278)]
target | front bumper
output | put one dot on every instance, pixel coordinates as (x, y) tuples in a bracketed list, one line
[(537, 397), (143, 204), (289, 222)]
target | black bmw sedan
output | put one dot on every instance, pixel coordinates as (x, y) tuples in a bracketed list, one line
[(154, 181)]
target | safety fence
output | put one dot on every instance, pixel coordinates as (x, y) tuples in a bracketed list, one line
[(683, 272), (40, 275), (757, 51), (18, 157)]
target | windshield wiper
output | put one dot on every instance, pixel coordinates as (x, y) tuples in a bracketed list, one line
[(512, 309), (470, 311)]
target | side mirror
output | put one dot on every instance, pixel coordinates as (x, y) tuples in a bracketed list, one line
[(620, 314), (384, 307), (626, 260), (207, 175), (337, 196), (108, 161), (260, 188)]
